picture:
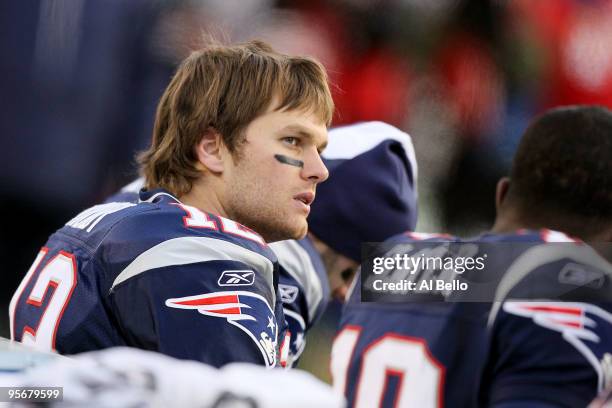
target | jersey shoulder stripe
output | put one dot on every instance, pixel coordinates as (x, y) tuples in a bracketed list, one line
[(190, 249), (296, 262)]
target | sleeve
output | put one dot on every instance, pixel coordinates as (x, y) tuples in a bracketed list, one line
[(303, 290), (295, 310), (549, 351), (217, 312), (551, 334)]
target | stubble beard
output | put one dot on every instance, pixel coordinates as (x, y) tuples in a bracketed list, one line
[(271, 224), (252, 209)]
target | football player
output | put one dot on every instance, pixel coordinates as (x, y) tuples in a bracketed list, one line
[(370, 195), (544, 337), (187, 271)]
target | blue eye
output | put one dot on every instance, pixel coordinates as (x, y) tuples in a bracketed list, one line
[(293, 141)]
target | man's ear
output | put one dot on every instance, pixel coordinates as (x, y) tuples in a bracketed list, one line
[(210, 151), (501, 192)]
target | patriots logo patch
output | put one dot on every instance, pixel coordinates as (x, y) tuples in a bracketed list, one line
[(236, 278), (248, 311), (581, 324)]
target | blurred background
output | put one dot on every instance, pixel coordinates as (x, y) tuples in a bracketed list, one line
[(80, 80)]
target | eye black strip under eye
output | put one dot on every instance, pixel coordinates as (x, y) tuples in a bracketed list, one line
[(288, 160)]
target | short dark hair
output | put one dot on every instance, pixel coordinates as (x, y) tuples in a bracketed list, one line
[(562, 171)]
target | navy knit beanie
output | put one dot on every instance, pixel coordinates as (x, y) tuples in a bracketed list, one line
[(371, 191)]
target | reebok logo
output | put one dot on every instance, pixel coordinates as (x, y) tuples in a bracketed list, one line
[(236, 278)]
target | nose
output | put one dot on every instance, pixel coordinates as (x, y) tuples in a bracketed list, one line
[(339, 294), (314, 169)]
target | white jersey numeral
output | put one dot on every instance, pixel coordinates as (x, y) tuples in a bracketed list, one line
[(420, 375), (61, 274), (341, 354), (199, 219), (232, 227)]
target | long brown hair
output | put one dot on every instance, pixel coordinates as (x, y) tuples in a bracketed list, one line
[(226, 87)]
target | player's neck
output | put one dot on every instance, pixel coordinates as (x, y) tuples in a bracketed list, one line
[(205, 199), (507, 223)]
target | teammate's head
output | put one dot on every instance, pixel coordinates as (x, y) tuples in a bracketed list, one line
[(370, 195), (225, 115), (561, 176)]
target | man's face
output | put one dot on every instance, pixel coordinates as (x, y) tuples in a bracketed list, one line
[(266, 189), (340, 269)]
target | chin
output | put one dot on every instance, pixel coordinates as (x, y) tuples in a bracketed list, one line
[(301, 229), (286, 231), (301, 233), (294, 233)]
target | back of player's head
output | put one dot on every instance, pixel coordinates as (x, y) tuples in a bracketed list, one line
[(370, 194), (561, 175), (225, 88)]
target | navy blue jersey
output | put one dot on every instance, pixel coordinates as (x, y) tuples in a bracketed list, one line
[(303, 286), (303, 289), (539, 342), (157, 275)]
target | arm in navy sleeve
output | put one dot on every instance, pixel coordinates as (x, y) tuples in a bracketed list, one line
[(215, 312)]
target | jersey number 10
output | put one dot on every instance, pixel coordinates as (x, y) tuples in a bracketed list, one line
[(420, 375)]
